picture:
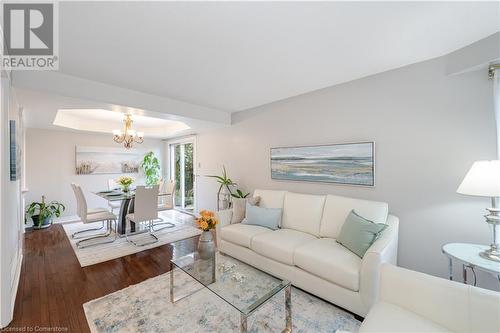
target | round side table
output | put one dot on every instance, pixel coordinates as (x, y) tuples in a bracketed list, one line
[(468, 256)]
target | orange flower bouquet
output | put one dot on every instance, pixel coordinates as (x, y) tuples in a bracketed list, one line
[(207, 220)]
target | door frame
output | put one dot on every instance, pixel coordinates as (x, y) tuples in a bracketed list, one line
[(183, 140)]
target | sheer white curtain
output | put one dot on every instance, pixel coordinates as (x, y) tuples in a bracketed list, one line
[(496, 95)]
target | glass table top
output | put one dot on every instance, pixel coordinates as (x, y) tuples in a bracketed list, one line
[(119, 195), (469, 254), (241, 285)]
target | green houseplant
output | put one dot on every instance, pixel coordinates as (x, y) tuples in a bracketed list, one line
[(240, 194), (151, 167), (224, 193), (42, 213)]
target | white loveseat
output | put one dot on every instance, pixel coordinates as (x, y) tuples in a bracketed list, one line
[(304, 250), (416, 302)]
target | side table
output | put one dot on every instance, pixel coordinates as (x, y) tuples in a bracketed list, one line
[(468, 256)]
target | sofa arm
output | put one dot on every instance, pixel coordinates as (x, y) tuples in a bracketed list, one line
[(224, 217), (455, 306), (385, 249)]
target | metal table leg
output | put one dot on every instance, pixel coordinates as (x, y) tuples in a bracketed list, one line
[(172, 285), (288, 309), (126, 207), (243, 323), (450, 268)]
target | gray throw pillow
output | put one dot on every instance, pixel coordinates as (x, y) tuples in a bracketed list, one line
[(264, 217), (239, 208), (358, 234)]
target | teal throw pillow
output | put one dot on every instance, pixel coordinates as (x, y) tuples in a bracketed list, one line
[(358, 234), (264, 217)]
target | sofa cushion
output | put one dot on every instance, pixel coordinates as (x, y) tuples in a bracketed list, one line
[(302, 212), (386, 317), (337, 208), (329, 260), (242, 234), (280, 244), (270, 198)]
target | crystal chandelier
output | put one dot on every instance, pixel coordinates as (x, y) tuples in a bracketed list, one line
[(128, 136)]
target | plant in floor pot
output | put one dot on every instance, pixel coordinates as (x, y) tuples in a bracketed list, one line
[(224, 194), (42, 213), (206, 222), (151, 167), (125, 182)]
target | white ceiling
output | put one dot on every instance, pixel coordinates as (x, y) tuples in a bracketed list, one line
[(238, 55), (105, 121), (41, 110)]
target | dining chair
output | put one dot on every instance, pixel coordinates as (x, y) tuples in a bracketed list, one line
[(145, 211), (113, 185), (88, 212), (165, 202), (103, 216)]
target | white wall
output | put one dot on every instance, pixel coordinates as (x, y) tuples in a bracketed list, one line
[(10, 198), (50, 166), (428, 127)]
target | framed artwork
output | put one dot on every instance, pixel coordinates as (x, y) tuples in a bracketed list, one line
[(15, 165), (106, 160), (345, 163)]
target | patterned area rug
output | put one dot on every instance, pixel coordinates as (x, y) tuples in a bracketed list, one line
[(120, 247), (146, 307)]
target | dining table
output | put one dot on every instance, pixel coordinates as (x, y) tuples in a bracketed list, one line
[(126, 206)]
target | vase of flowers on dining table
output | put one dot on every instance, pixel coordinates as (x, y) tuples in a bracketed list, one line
[(206, 245), (125, 182)]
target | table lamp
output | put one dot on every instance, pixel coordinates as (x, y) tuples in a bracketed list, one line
[(483, 179)]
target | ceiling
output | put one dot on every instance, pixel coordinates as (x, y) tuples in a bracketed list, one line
[(56, 112), (238, 55), (104, 121)]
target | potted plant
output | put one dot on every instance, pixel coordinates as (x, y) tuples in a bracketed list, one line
[(151, 167), (206, 222), (125, 182), (240, 194), (42, 213), (224, 193)]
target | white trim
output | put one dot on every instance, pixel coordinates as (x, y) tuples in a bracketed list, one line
[(170, 153), (15, 285), (183, 175)]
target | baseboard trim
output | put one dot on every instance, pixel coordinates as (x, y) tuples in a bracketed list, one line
[(15, 286)]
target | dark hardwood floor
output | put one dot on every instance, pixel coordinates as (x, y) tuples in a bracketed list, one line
[(53, 286)]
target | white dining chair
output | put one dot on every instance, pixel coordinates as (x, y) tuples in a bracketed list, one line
[(88, 212), (113, 185), (103, 216), (165, 202), (145, 211)]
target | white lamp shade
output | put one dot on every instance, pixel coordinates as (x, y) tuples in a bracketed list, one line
[(483, 179)]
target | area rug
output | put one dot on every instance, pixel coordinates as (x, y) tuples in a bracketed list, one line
[(146, 307), (120, 247)]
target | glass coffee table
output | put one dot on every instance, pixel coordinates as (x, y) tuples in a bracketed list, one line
[(242, 286)]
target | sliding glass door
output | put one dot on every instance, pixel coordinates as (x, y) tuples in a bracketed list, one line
[(182, 171)]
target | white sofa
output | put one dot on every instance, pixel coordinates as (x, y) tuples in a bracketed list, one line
[(304, 250), (416, 302)]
